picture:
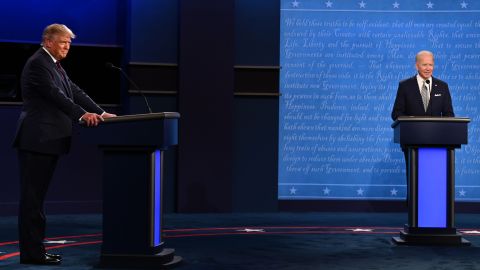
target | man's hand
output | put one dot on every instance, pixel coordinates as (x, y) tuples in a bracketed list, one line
[(91, 119)]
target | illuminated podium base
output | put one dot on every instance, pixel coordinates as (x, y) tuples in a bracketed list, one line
[(431, 236), (163, 260)]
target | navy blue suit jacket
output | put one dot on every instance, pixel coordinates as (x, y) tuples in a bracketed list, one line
[(50, 104), (409, 100)]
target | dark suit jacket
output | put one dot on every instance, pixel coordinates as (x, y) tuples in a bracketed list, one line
[(50, 104), (409, 100)]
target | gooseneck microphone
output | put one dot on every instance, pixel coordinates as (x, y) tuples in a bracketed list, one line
[(111, 66), (428, 90)]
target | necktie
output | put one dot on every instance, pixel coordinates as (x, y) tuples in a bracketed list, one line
[(64, 78), (425, 97), (60, 69)]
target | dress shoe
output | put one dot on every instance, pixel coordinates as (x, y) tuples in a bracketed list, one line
[(55, 256), (46, 260)]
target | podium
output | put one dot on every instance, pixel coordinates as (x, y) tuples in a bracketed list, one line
[(429, 145), (132, 147)]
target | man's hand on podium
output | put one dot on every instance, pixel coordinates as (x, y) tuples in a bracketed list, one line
[(93, 119)]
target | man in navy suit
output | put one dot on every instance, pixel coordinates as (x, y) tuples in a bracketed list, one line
[(409, 101), (51, 103), (422, 95)]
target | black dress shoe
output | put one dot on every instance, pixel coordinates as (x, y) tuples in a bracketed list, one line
[(47, 260), (55, 256)]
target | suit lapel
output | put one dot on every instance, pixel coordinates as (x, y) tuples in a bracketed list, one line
[(433, 92), (63, 84), (417, 94), (434, 88), (66, 86)]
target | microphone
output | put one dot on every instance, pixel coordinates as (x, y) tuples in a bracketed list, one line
[(112, 66), (428, 90)]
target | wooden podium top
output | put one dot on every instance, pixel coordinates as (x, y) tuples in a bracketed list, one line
[(429, 119), (159, 130), (141, 117)]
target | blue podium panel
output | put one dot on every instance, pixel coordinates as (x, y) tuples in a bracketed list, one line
[(157, 198), (432, 187)]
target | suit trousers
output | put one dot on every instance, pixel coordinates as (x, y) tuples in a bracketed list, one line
[(36, 171)]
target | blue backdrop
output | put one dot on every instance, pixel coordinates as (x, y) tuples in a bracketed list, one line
[(95, 22), (341, 64)]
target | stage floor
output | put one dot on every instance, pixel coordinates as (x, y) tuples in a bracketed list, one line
[(262, 241)]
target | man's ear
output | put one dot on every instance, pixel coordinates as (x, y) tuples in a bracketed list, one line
[(47, 43)]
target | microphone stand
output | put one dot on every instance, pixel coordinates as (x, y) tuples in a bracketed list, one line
[(110, 65)]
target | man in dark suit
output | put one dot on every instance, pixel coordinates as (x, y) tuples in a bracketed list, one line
[(51, 102), (436, 100), (422, 95)]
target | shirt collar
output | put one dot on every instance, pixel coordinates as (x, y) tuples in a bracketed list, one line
[(53, 58), (421, 80)]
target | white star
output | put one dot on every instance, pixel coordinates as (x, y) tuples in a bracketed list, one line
[(463, 4), (293, 190), (393, 192), (329, 4), (360, 230), (58, 242), (396, 5), (251, 230), (430, 4), (360, 191), (295, 4), (362, 4), (471, 232), (462, 192), (326, 191)]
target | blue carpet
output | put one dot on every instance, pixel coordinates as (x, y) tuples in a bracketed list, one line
[(262, 241)]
